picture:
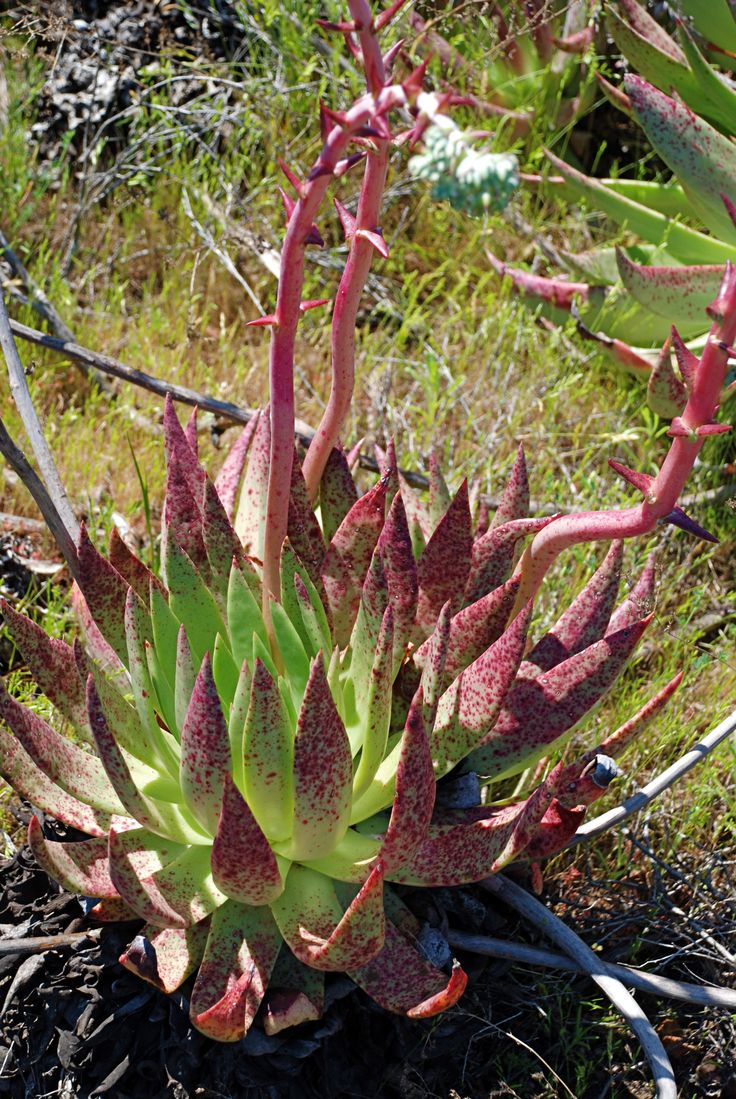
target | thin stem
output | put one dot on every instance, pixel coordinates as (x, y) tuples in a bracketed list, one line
[(708, 995), (344, 315), (27, 474), (648, 793), (531, 909), (22, 397), (593, 526)]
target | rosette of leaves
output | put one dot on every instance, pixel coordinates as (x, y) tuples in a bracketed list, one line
[(251, 796)]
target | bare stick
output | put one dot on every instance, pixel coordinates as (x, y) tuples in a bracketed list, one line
[(38, 301), (708, 995), (24, 402), (531, 909), (18, 461), (39, 943), (657, 786)]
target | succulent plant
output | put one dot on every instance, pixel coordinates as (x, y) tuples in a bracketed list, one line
[(629, 297), (291, 720)]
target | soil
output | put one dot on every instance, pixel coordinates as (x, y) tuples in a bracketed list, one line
[(74, 1023)]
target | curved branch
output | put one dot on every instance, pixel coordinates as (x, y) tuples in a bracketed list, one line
[(532, 910), (653, 983), (22, 397), (657, 786)]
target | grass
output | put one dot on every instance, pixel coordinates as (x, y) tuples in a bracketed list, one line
[(447, 360)]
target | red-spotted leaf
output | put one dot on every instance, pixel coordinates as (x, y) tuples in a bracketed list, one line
[(243, 865), (222, 545), (79, 867), (268, 759), (468, 709), (164, 818), (583, 622), (104, 591), (135, 855), (205, 750), (323, 771), (473, 629), (413, 801), (303, 528), (348, 557), (240, 954), (179, 446), (168, 884), (459, 852), (319, 930), (166, 956), (443, 568), (52, 665), (638, 602), (131, 568), (539, 711), (182, 517), (77, 772), (666, 393), (230, 476), (439, 494), (251, 508), (400, 571), (337, 492), (493, 555), (20, 772), (296, 994), (372, 704), (402, 981), (434, 659), (514, 502)]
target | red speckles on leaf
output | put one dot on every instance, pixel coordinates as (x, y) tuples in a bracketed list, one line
[(320, 930), (493, 555), (228, 480), (514, 502), (400, 572), (28, 780), (413, 801), (77, 772), (205, 750), (639, 600), (166, 956), (241, 951), (348, 557), (323, 771), (538, 711), (337, 492), (52, 665), (469, 707), (243, 865), (104, 591), (402, 981), (79, 867), (584, 621), (443, 568)]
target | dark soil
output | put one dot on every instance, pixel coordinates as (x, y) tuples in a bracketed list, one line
[(74, 1023)]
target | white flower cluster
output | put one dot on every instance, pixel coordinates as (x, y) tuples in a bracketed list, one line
[(470, 180)]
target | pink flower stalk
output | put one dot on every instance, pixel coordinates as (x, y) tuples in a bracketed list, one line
[(367, 111), (688, 431)]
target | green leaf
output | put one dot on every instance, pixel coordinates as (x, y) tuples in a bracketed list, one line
[(703, 159), (687, 244)]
